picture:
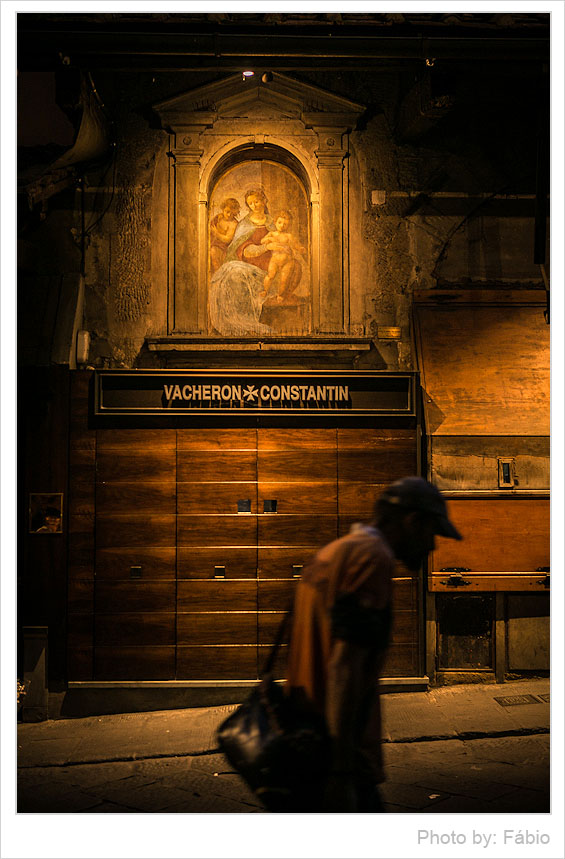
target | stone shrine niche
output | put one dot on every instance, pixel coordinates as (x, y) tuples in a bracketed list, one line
[(257, 209)]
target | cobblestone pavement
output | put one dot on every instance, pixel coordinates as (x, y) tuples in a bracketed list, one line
[(500, 774)]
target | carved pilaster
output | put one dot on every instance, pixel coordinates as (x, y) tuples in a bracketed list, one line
[(330, 157), (186, 244)]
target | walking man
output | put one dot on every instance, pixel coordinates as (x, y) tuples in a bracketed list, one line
[(341, 625)]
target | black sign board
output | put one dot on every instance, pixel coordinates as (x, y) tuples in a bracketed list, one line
[(203, 392)]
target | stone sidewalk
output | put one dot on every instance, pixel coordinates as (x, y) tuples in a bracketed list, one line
[(451, 749)]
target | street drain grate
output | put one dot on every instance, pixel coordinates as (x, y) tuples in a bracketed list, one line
[(514, 700), (544, 697)]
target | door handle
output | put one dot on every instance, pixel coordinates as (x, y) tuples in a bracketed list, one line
[(219, 571), (297, 570)]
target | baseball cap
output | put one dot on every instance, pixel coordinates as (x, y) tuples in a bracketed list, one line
[(415, 493)]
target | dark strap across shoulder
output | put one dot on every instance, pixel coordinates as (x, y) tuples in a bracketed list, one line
[(281, 632)]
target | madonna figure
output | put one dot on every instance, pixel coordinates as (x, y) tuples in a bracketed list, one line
[(237, 292)]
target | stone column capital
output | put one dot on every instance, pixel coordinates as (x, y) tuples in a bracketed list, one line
[(187, 157), (332, 158)]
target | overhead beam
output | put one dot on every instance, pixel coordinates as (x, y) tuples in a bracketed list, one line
[(223, 52)]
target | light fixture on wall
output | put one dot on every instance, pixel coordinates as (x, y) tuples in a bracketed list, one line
[(267, 77), (247, 74)]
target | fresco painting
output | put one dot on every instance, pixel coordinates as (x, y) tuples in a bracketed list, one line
[(259, 258)]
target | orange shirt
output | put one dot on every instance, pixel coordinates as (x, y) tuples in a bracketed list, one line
[(359, 564)]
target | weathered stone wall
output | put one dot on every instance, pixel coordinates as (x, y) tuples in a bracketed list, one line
[(454, 207)]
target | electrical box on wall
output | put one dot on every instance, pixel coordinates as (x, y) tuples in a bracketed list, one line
[(506, 472)]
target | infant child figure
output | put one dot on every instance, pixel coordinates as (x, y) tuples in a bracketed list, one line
[(222, 229), (283, 244)]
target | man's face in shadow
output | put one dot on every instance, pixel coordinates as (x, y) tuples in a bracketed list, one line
[(415, 539)]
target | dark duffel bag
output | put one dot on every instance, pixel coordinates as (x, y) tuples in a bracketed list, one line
[(280, 749)]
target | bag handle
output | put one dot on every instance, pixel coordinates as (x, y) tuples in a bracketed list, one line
[(281, 632)]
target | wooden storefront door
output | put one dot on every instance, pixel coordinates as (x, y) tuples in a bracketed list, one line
[(199, 536)]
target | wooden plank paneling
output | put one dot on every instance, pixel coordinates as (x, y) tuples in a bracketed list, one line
[(155, 562), (132, 465), (217, 439), (136, 440), (495, 538), (347, 520), (215, 497), (279, 669), (78, 571), (81, 549), (135, 530), (80, 662), (139, 496), (279, 530), (499, 384), (240, 562), (134, 628), (298, 497), (382, 467), (277, 562), (368, 461), (168, 504), (275, 594), (405, 594), (135, 595), (298, 439), (217, 530), (376, 441), (268, 626), (227, 465), (401, 660), (82, 458), (134, 663), (80, 595), (82, 477), (81, 540), (358, 498), (217, 595), (296, 465), (231, 627), (404, 627), (80, 630), (220, 662)]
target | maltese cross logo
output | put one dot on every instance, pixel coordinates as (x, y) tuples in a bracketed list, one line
[(250, 392)]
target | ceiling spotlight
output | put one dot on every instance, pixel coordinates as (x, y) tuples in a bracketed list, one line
[(248, 74)]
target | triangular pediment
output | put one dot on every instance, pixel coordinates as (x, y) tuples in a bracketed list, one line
[(279, 97)]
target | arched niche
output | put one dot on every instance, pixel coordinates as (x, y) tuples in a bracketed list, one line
[(238, 153), (273, 291), (283, 129)]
